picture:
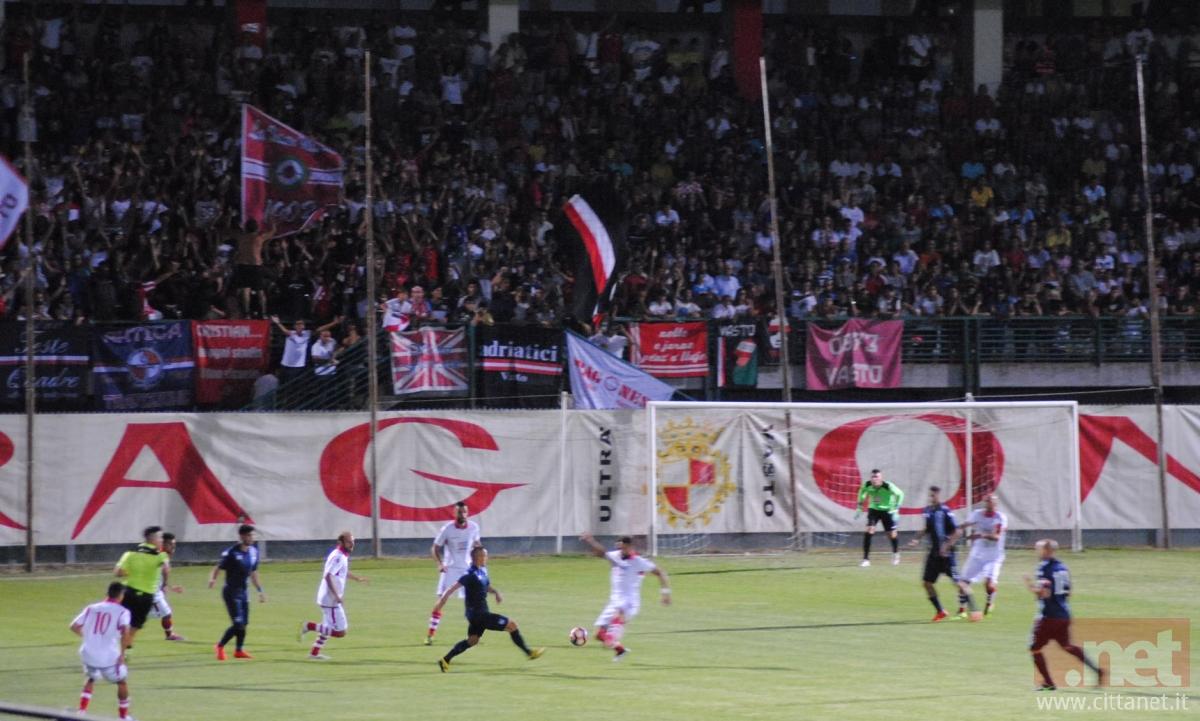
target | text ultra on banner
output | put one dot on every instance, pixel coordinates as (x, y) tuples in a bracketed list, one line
[(671, 350), (859, 354), (230, 356)]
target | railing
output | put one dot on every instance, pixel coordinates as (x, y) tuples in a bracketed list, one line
[(968, 342)]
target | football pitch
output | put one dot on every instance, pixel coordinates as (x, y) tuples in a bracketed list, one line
[(796, 636)]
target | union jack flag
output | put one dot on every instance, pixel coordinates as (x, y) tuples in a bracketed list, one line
[(429, 360)]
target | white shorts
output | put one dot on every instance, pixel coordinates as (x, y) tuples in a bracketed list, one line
[(626, 609), (335, 618), (160, 609), (448, 579), (112, 674), (978, 569)]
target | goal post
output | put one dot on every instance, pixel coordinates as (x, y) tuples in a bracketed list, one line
[(744, 476)]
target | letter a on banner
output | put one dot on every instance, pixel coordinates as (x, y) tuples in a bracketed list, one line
[(14, 199)]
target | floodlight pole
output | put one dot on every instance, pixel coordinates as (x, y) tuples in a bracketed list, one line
[(30, 333), (785, 361), (1164, 532), (372, 334)]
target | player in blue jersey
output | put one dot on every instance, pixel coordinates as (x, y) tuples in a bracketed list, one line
[(240, 564), (942, 529), (1052, 586), (476, 586)]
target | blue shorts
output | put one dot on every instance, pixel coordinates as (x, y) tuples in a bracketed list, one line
[(237, 604), (479, 623)]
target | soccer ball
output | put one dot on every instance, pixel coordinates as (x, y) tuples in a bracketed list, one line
[(578, 636)]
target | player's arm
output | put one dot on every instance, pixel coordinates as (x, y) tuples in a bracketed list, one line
[(496, 592), (126, 642), (862, 496), (119, 569), (897, 497), (1039, 587), (212, 577), (446, 596), (77, 624), (955, 533), (166, 583), (262, 597), (916, 541), (332, 588), (596, 549), (664, 585), (436, 551)]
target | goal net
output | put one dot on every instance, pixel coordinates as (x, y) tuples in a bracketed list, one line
[(761, 476)]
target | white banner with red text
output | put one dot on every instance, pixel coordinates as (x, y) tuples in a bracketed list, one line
[(102, 477)]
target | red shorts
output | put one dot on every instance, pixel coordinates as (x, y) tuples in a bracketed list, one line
[(1046, 630)]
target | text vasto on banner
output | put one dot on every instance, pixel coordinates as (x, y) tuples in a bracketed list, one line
[(671, 350), (62, 360), (520, 365), (859, 354), (144, 367), (230, 356)]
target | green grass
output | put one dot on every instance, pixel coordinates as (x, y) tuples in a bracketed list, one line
[(806, 636)]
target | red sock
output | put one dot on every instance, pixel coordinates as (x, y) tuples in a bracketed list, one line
[(1040, 662), (310, 626), (123, 708), (619, 649), (84, 699)]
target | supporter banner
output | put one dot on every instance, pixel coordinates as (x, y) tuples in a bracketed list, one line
[(303, 476), (737, 355), (429, 360), (14, 199), (252, 22), (230, 356), (519, 364), (600, 380), (288, 179), (62, 361), (859, 354), (600, 220), (144, 367), (671, 350)]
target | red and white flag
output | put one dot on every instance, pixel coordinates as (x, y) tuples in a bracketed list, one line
[(287, 177), (601, 226), (14, 199)]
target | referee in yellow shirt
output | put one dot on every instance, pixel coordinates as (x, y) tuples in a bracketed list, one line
[(139, 569)]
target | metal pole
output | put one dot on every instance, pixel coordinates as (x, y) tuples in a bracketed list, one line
[(1164, 539), (785, 361), (564, 404), (652, 469), (30, 335), (372, 326), (969, 476)]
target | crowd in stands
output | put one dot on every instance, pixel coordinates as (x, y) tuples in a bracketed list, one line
[(902, 190)]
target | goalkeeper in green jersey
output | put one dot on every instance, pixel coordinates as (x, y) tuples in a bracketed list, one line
[(883, 500)]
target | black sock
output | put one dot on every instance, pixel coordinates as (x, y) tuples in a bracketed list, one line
[(970, 601), (516, 638), (895, 544), (933, 598), (241, 637), (229, 633), (459, 647), (962, 599), (867, 545)]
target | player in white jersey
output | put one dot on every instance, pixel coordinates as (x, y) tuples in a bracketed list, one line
[(331, 593), (452, 551), (987, 550), (625, 595), (106, 631), (161, 609)]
